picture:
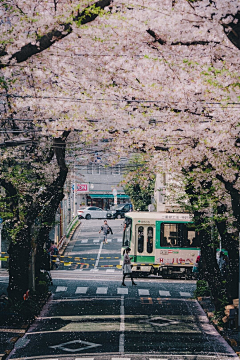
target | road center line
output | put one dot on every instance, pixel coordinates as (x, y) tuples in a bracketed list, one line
[(122, 326), (99, 252)]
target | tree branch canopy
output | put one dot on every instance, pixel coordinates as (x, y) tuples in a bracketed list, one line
[(44, 42)]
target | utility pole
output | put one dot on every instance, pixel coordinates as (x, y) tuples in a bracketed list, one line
[(74, 191), (0, 243), (239, 286)]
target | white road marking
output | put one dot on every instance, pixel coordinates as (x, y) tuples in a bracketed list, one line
[(81, 342), (187, 294), (110, 270), (88, 358), (153, 321), (143, 292), (84, 241), (99, 252), (122, 291), (122, 326), (120, 358), (94, 270), (164, 293), (102, 290), (109, 240), (96, 241), (119, 240), (81, 290), (61, 288)]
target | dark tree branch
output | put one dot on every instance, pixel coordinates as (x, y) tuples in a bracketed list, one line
[(232, 30), (12, 195), (187, 43), (87, 15)]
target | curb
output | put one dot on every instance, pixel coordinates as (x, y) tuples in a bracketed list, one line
[(210, 315)]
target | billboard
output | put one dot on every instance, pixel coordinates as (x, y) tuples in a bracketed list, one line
[(83, 188)]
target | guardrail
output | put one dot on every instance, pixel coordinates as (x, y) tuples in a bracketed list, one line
[(69, 233), (61, 242)]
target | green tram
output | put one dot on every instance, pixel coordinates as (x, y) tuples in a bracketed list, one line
[(164, 244)]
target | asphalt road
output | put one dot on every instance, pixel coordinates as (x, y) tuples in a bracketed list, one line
[(87, 251), (91, 316)]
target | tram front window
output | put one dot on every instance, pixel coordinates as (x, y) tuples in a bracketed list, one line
[(149, 239), (179, 235), (140, 239), (127, 232)]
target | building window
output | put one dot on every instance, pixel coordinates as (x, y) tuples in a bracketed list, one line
[(89, 168), (96, 169), (116, 170)]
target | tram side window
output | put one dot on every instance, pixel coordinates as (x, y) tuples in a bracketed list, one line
[(140, 239), (169, 235), (179, 235), (127, 232), (149, 239), (191, 238)]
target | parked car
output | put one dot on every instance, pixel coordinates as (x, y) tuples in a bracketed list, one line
[(91, 212), (118, 211)]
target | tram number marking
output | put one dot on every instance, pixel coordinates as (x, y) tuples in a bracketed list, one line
[(146, 301)]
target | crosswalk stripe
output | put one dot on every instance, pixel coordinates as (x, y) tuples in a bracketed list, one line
[(109, 240), (143, 292), (96, 240), (94, 270), (84, 241), (110, 270), (81, 290), (122, 291), (164, 293), (61, 288), (185, 294), (88, 358), (102, 290), (119, 240)]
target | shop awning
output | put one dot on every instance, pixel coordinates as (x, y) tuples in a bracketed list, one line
[(108, 196)]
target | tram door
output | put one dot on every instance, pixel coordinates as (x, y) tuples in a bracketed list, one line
[(145, 245)]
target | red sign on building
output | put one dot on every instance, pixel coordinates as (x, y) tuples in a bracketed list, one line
[(83, 187)]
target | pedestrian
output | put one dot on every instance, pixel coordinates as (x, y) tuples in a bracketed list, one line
[(53, 251), (127, 269), (106, 230)]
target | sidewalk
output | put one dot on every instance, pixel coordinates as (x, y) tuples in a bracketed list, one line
[(232, 336)]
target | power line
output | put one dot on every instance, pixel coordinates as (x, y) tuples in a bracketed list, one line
[(71, 99)]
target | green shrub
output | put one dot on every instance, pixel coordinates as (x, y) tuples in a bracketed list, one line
[(42, 289), (202, 289)]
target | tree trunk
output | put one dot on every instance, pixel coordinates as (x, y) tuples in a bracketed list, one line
[(19, 255), (230, 243), (46, 205), (211, 272)]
